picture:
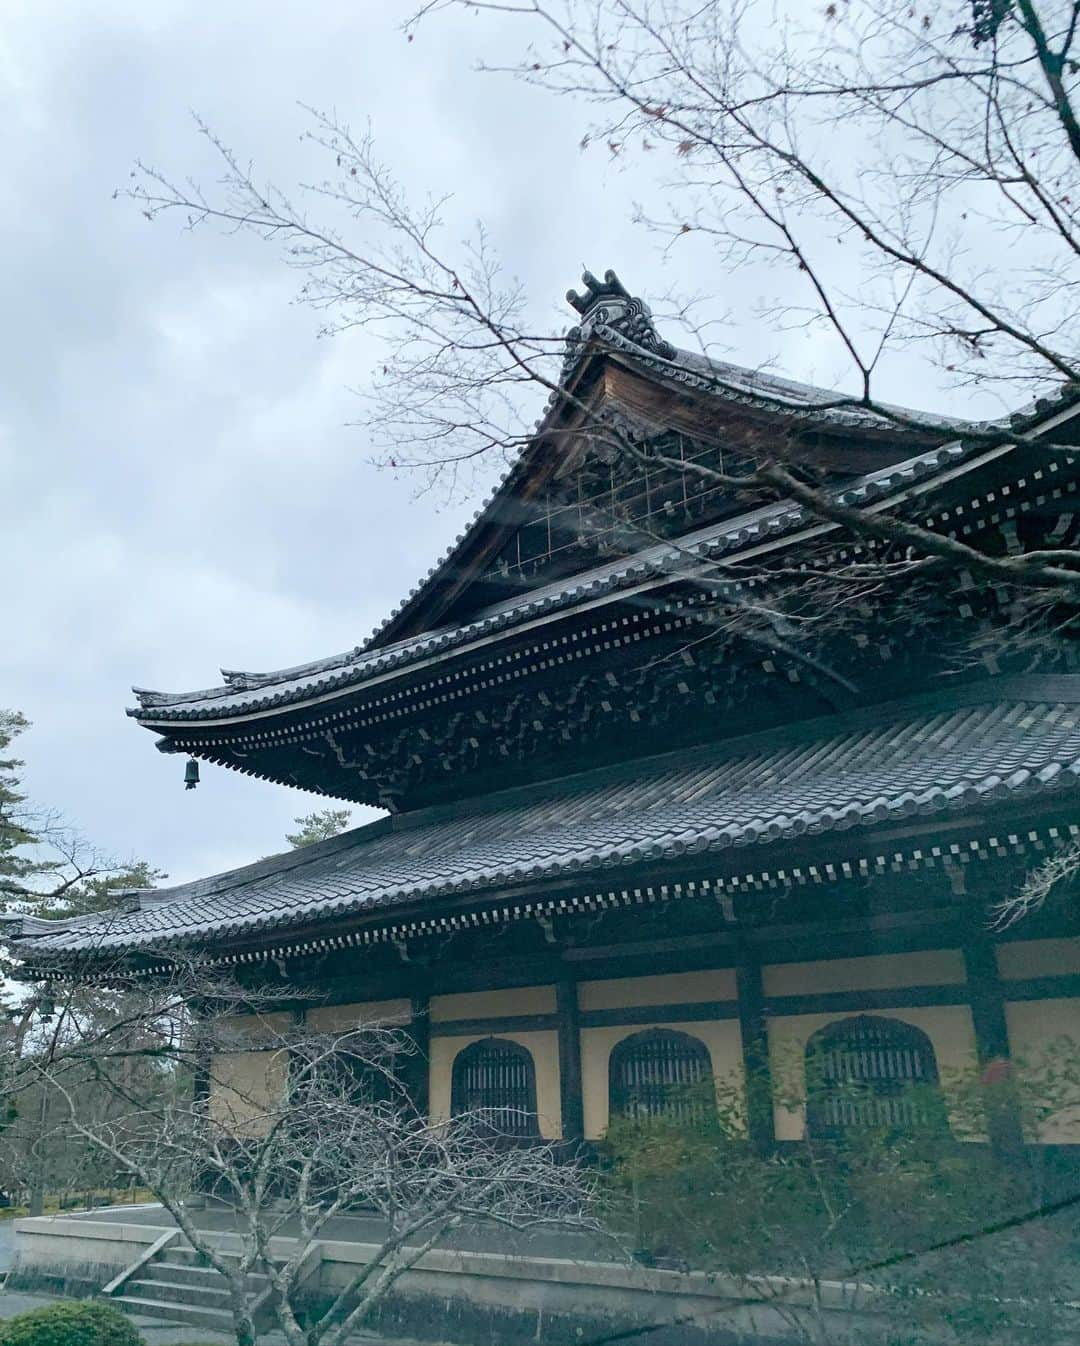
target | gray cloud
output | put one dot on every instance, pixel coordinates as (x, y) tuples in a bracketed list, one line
[(181, 488)]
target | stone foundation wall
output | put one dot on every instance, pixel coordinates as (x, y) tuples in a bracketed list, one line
[(492, 1299)]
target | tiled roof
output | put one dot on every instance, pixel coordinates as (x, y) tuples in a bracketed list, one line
[(604, 331), (1011, 740), (248, 692), (728, 385)]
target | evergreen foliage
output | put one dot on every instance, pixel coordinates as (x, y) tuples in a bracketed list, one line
[(19, 869), (46, 868), (921, 1228), (318, 826), (70, 1325)]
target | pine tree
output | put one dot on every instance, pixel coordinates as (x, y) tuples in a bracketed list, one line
[(318, 826), (46, 867), (20, 868)]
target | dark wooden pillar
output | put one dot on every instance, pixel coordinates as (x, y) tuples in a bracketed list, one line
[(420, 1031), (570, 1098), (755, 1052), (992, 1045), (200, 1082)]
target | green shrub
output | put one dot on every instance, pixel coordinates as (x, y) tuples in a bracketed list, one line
[(70, 1324), (939, 1231)]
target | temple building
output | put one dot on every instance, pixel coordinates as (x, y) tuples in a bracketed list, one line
[(679, 781)]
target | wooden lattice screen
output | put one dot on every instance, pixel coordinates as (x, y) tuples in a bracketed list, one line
[(654, 1072), (868, 1072), (495, 1082)]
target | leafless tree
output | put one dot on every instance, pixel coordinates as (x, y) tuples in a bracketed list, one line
[(901, 181), (323, 1125), (916, 174), (1052, 878)]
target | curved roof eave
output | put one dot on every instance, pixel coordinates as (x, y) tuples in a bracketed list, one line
[(1005, 743), (763, 528)]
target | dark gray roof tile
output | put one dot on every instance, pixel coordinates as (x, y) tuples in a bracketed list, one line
[(267, 690), (856, 770)]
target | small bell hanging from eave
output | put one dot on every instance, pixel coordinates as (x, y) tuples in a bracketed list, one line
[(191, 774)]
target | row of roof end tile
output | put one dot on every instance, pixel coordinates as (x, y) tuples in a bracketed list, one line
[(754, 793)]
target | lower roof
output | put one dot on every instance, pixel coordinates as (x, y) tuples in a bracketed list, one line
[(1005, 739)]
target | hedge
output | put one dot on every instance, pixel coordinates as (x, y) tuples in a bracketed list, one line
[(70, 1325)]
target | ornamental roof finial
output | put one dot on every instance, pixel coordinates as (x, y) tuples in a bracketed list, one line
[(609, 310), (610, 287)]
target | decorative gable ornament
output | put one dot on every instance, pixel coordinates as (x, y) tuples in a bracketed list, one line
[(608, 309)]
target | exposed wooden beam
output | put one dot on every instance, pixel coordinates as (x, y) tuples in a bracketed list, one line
[(570, 1090), (755, 1052), (992, 1045)]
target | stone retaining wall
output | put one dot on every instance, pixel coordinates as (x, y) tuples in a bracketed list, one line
[(482, 1298)]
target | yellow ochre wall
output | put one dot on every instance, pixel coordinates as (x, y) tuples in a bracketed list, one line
[(878, 972), (243, 1085), (720, 1036), (334, 1018), (1042, 1032), (492, 1004), (1046, 1033), (1039, 958), (669, 988), (949, 1028), (1035, 1026)]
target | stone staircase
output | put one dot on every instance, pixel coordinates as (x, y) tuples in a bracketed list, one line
[(174, 1282)]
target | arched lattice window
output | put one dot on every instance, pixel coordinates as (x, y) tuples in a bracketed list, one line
[(654, 1072), (495, 1081), (868, 1072)]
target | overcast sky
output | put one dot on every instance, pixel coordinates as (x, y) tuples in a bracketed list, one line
[(182, 489)]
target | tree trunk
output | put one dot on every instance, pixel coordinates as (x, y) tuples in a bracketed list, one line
[(243, 1322)]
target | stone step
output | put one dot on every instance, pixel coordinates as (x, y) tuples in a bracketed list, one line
[(188, 1274), (173, 1312), (201, 1296), (184, 1252)]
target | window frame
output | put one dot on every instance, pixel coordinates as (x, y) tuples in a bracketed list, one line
[(464, 1059), (898, 1035), (619, 1093)]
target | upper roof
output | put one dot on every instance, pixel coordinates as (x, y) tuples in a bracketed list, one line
[(243, 693), (1006, 740), (614, 326)]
